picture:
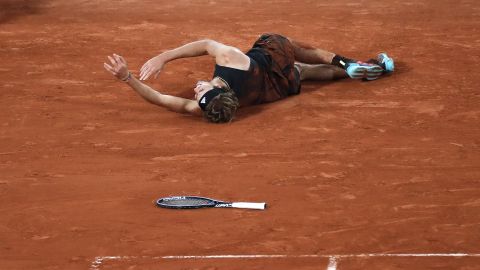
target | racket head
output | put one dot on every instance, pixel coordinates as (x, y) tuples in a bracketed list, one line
[(186, 202)]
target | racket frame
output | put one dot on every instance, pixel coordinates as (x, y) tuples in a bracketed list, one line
[(214, 203)]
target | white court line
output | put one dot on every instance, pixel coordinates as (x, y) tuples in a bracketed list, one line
[(332, 264)]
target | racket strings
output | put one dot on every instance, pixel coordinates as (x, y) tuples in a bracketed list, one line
[(187, 202)]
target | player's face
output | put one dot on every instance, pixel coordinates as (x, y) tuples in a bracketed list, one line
[(202, 88)]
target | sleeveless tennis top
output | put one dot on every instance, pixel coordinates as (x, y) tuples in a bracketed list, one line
[(271, 75)]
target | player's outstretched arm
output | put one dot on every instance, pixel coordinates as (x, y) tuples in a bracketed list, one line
[(118, 67), (224, 55)]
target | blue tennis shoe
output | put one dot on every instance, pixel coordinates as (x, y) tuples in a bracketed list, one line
[(366, 71), (386, 62)]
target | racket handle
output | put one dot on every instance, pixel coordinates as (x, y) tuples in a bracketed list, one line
[(248, 205)]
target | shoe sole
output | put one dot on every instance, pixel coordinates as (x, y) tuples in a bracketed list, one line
[(368, 73)]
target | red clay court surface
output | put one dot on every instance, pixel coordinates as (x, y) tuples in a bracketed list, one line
[(348, 167)]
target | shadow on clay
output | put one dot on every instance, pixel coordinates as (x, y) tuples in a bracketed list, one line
[(12, 9), (244, 113), (400, 68), (307, 86), (314, 86)]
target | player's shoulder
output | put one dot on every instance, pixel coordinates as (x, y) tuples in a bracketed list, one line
[(229, 56)]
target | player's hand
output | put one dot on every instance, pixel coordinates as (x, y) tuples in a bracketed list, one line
[(118, 66), (153, 66)]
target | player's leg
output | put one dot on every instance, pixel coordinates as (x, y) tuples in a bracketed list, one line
[(308, 54), (321, 72)]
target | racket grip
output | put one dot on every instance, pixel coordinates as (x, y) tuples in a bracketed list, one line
[(248, 205)]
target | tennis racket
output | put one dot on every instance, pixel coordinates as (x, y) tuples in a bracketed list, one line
[(193, 202)]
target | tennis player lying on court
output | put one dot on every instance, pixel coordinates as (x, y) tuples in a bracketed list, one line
[(270, 71)]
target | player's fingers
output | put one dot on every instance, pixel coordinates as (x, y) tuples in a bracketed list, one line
[(142, 71), (145, 67), (120, 59), (109, 68), (112, 60), (117, 59), (156, 74), (146, 75)]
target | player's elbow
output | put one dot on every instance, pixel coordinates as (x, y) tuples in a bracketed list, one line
[(208, 42), (212, 47)]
